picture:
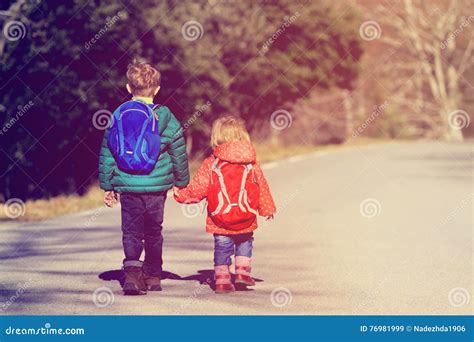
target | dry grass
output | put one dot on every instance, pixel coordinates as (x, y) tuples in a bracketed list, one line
[(35, 210)]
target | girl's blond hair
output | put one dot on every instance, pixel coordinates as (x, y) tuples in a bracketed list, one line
[(227, 129)]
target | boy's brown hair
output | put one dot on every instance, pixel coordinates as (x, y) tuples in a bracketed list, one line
[(143, 78), (227, 129)]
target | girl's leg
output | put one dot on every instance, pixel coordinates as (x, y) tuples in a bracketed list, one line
[(223, 250), (243, 255)]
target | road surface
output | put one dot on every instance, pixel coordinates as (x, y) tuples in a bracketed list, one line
[(384, 229)]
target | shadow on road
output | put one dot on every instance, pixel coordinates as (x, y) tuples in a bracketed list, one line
[(202, 276)]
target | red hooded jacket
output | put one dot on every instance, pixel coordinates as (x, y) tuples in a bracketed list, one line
[(233, 152)]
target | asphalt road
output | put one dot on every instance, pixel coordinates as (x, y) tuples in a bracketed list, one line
[(384, 229)]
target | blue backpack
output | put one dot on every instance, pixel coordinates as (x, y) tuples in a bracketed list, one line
[(134, 137)]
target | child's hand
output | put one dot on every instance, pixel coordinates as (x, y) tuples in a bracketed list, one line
[(110, 198), (269, 217)]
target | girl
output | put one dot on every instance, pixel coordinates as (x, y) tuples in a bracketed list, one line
[(234, 185)]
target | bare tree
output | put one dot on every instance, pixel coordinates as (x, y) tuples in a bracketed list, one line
[(437, 42)]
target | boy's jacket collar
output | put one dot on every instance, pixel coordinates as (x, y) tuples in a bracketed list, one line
[(143, 99)]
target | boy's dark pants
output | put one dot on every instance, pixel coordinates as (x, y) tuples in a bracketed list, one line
[(142, 219)]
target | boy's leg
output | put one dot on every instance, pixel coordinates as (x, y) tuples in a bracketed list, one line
[(243, 255), (132, 239), (224, 248), (133, 212), (152, 266)]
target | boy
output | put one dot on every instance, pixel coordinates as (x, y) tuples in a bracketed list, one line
[(142, 197)]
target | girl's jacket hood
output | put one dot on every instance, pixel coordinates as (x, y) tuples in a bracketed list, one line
[(237, 152)]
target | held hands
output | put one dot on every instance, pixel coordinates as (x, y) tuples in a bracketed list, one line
[(186, 201), (110, 198)]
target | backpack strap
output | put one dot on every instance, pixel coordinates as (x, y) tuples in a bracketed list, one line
[(223, 193), (152, 109), (242, 186), (213, 167), (243, 197)]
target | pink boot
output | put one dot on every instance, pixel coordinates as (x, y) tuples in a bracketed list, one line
[(223, 281), (242, 271)]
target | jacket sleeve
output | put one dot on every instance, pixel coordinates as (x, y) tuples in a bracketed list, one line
[(106, 165), (177, 151), (198, 189), (266, 203)]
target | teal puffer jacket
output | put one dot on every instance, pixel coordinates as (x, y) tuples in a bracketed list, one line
[(170, 169)]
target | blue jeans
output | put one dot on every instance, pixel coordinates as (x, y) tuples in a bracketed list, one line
[(142, 219), (227, 245)]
